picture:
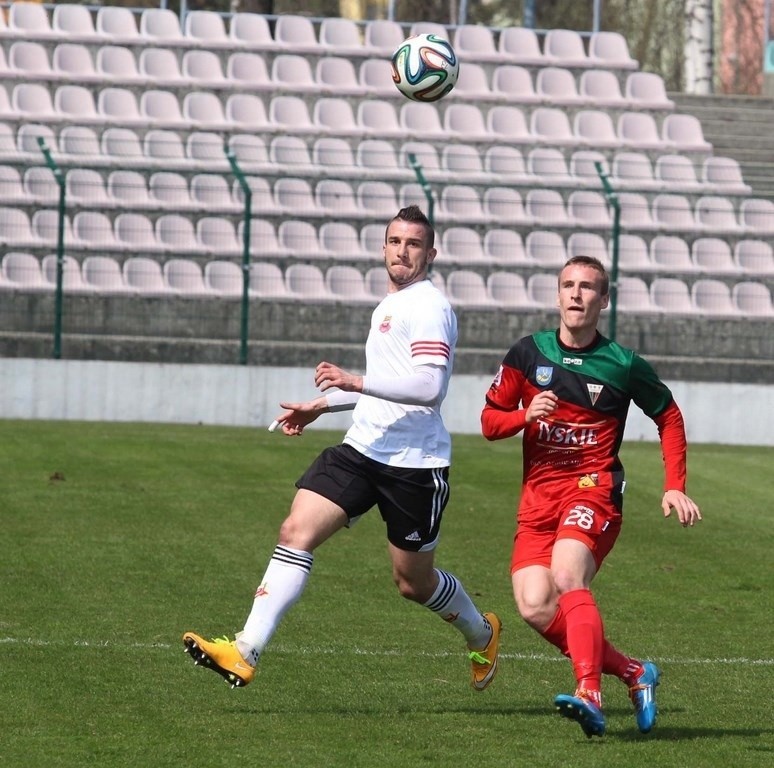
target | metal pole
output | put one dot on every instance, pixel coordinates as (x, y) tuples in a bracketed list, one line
[(529, 13), (612, 198), (58, 297), (766, 32), (597, 15), (245, 317), (417, 168)]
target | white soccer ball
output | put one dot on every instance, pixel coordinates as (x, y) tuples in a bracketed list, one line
[(425, 67)]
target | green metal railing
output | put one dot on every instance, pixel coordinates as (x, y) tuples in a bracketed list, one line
[(615, 235)]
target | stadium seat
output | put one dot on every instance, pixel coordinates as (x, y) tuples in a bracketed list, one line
[(335, 116), (372, 239), (376, 196), (80, 144), (247, 69), (206, 151), (549, 166), (546, 249), (509, 290), (334, 155), (375, 281), (589, 210), (21, 271), (505, 205), (379, 118), (263, 199), (634, 170), (673, 212), (306, 281), (508, 124), (381, 37), (601, 88), (583, 168), (378, 158), (135, 231), (103, 274), (633, 296), (144, 275), (299, 239), (474, 43), (250, 151), (513, 83), (247, 111), (45, 227), (546, 208), (30, 20), (186, 277), (713, 255), (341, 37), (564, 47), (543, 289), (12, 191), (161, 109), (724, 176), (716, 213), (633, 254), (346, 284), (671, 254), (263, 238), (672, 295), (204, 70), (120, 107), (752, 299), (169, 190), (161, 26), (713, 297), (178, 235), (594, 128), (588, 244), (125, 188), (218, 236), (251, 30), (165, 148), (33, 102), (293, 72), (425, 154), (610, 50), (160, 67), (676, 173), (473, 83), (684, 133), (116, 24), (336, 198), (551, 125), (646, 90), (212, 192), (754, 257), (756, 216), (507, 164), (465, 122), (505, 248), (461, 245), (76, 103), (467, 288), (520, 46), (635, 212), (337, 76), (341, 240), (73, 22), (557, 86), (73, 62), (421, 120), (375, 78), (429, 28), (30, 60), (204, 110), (117, 63), (206, 28), (224, 277), (40, 186), (639, 131), (267, 281), (296, 33), (463, 163)]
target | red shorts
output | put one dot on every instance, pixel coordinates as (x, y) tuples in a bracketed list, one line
[(562, 510)]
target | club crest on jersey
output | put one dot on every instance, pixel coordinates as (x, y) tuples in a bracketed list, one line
[(594, 392), (544, 374), (589, 481), (385, 326)]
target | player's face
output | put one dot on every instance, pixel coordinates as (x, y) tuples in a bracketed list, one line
[(580, 297), (407, 254)]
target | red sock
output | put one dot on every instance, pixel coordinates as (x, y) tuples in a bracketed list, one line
[(585, 637), (556, 632)]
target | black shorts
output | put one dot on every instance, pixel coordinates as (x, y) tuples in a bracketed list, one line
[(411, 501)]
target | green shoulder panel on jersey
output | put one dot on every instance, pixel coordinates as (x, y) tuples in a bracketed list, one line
[(612, 364)]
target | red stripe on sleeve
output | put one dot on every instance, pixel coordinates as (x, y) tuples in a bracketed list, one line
[(674, 446)]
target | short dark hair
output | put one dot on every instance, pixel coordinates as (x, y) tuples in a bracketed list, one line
[(594, 263), (414, 214)]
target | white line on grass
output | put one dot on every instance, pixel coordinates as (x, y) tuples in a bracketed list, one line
[(322, 651)]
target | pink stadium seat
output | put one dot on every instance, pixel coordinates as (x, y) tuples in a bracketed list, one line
[(684, 132), (633, 255), (600, 87), (551, 125), (160, 67), (307, 281), (461, 245), (203, 69), (463, 162), (117, 25), (713, 255), (505, 205), (218, 236), (588, 244), (509, 290), (475, 42), (513, 83), (21, 271), (74, 23), (549, 165), (341, 37), (161, 26), (677, 173), (672, 295), (673, 212), (543, 290), (467, 288), (752, 299), (504, 247), (375, 78), (755, 257), (465, 122), (594, 128), (421, 120), (646, 90), (186, 277), (639, 131), (557, 86), (583, 167), (267, 281), (756, 216), (724, 176), (251, 30), (546, 249), (206, 28), (671, 254), (347, 284), (546, 208), (296, 33), (473, 83), (507, 164), (73, 62), (713, 297), (635, 212), (103, 273), (634, 170), (508, 124), (633, 296), (293, 72), (117, 63), (299, 239), (716, 213), (382, 37), (589, 210), (519, 45), (379, 118), (565, 48), (342, 241), (248, 69), (610, 49), (337, 76), (224, 277), (31, 21)]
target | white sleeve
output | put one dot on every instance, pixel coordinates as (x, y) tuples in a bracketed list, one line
[(339, 400), (423, 387)]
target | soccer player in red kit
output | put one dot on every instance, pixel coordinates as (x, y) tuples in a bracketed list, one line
[(569, 391)]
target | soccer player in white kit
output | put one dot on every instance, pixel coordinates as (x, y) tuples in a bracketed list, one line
[(395, 456)]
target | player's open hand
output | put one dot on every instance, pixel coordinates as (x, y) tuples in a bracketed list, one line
[(688, 512), (327, 375), (298, 415)]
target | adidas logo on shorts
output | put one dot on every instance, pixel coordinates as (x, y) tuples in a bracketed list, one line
[(414, 536)]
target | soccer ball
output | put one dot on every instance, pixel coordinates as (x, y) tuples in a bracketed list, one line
[(425, 67)]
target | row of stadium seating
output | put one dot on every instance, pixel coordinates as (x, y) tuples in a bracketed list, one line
[(337, 36), (142, 276), (295, 74), (333, 116), (172, 234)]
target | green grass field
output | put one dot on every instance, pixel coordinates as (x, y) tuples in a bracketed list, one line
[(117, 538)]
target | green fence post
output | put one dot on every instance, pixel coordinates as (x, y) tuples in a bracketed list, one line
[(417, 168), (612, 198), (244, 325), (58, 297)]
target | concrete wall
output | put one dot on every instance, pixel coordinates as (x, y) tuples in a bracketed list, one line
[(732, 414)]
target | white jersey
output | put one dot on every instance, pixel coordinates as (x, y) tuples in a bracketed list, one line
[(413, 326)]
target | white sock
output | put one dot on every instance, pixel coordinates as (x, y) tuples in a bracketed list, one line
[(452, 604), (282, 585)]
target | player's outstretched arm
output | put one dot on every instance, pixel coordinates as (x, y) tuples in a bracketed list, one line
[(298, 415), (687, 510)]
